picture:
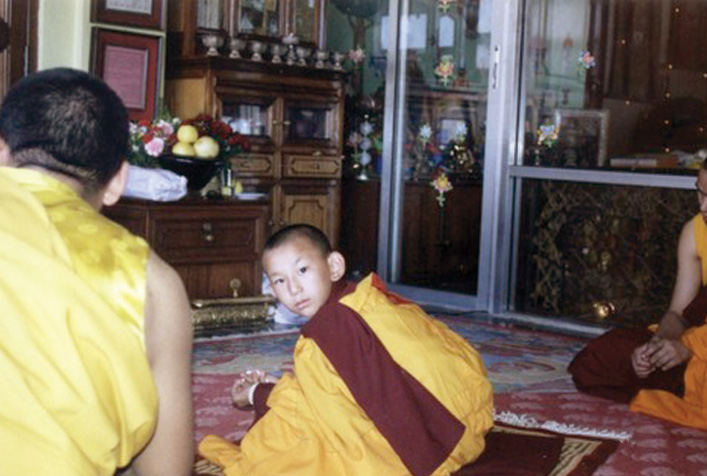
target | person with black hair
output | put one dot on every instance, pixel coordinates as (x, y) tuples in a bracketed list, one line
[(378, 388), (95, 351)]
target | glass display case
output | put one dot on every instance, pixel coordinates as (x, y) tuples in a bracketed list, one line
[(263, 19)]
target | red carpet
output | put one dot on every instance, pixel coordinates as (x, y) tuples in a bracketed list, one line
[(527, 371)]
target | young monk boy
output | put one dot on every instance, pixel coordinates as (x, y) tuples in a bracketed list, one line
[(379, 387)]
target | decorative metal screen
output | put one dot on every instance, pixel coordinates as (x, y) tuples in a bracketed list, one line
[(582, 244)]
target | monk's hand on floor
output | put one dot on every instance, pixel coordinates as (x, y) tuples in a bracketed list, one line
[(665, 354)]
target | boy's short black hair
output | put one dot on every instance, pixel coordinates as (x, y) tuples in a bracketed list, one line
[(311, 233), (66, 121)]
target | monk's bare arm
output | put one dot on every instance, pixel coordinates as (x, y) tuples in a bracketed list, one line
[(168, 337), (687, 283)]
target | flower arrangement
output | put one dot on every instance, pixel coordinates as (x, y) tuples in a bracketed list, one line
[(151, 139), (439, 163)]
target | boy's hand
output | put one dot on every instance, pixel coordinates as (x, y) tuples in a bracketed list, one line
[(243, 383)]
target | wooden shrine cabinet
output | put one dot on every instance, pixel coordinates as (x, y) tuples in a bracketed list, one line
[(208, 242), (293, 118)]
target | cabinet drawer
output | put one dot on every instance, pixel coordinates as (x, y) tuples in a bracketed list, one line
[(180, 239), (312, 166), (253, 165)]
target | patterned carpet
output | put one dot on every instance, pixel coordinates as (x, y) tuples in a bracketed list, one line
[(532, 387)]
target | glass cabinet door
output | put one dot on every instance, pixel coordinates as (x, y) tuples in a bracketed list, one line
[(305, 18), (309, 122), (260, 17), (254, 117)]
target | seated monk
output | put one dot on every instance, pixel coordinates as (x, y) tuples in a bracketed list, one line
[(661, 370), (95, 349)]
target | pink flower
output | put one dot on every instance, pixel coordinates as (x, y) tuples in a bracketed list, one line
[(357, 55), (155, 147)]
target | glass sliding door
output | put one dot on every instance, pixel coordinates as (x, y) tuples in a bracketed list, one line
[(436, 177), (613, 124)]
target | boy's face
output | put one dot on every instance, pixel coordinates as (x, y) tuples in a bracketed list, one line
[(301, 276)]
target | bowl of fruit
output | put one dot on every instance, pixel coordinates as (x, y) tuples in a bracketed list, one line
[(192, 156)]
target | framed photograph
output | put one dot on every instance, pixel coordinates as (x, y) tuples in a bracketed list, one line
[(135, 13), (130, 64), (582, 136)]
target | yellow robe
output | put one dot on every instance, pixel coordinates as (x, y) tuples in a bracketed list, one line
[(315, 425), (691, 410), (78, 396)]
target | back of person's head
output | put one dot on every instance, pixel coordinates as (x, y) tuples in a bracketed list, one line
[(300, 230), (68, 122)]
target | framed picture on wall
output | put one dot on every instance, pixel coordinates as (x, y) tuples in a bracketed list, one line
[(582, 136), (135, 13), (130, 64)]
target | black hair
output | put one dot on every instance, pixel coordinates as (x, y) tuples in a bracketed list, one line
[(303, 230), (66, 121)]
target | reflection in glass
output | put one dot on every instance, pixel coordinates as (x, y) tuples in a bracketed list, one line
[(210, 14), (307, 123), (619, 63), (246, 119), (305, 20), (260, 17)]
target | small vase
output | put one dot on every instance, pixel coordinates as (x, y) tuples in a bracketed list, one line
[(212, 43), (237, 45), (321, 56), (338, 58)]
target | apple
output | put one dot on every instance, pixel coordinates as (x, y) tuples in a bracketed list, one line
[(206, 147), (184, 149), (187, 133)]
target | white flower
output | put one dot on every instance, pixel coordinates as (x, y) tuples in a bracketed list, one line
[(366, 128), (425, 132)]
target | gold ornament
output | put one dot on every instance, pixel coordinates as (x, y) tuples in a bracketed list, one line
[(603, 309)]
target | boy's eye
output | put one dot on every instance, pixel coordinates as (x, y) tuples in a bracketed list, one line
[(303, 270), (278, 281)]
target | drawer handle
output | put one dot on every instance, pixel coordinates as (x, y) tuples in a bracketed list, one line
[(317, 153), (286, 123), (206, 232)]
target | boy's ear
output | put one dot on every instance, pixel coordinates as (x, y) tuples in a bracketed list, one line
[(337, 265), (4, 153), (116, 186)]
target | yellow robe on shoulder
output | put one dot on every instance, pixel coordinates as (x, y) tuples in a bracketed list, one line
[(315, 425), (78, 396)]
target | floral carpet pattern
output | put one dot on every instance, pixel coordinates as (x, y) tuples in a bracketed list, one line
[(527, 369)]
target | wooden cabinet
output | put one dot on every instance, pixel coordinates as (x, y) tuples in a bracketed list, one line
[(208, 242), (293, 117)]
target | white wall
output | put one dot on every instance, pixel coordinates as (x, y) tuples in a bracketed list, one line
[(64, 34)]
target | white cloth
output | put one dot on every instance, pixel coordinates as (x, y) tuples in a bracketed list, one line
[(155, 184)]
